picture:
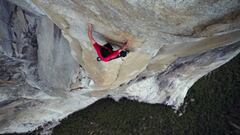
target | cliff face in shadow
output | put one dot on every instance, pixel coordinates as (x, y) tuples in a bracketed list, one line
[(49, 68)]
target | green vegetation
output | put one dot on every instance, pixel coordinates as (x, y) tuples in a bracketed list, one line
[(212, 107)]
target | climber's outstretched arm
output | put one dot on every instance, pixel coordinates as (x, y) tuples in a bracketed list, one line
[(90, 29), (125, 46), (108, 39)]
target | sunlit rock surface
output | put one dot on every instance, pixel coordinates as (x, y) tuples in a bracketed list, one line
[(49, 68)]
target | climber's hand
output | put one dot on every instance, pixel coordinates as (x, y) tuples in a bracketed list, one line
[(125, 46)]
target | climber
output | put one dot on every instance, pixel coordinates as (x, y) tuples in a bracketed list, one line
[(106, 53)]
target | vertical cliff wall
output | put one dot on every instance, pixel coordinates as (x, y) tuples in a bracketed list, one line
[(49, 68)]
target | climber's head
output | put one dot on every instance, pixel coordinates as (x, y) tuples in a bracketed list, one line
[(123, 53)]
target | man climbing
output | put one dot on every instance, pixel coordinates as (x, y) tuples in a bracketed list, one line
[(106, 53)]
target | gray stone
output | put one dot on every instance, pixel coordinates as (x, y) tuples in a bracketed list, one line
[(56, 65), (49, 68)]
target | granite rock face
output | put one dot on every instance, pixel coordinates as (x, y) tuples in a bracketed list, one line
[(49, 68)]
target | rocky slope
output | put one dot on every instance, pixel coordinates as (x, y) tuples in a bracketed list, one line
[(49, 68)]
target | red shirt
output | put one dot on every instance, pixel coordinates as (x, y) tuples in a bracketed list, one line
[(112, 55)]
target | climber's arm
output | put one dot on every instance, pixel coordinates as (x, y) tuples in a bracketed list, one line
[(90, 36), (125, 46), (109, 40)]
